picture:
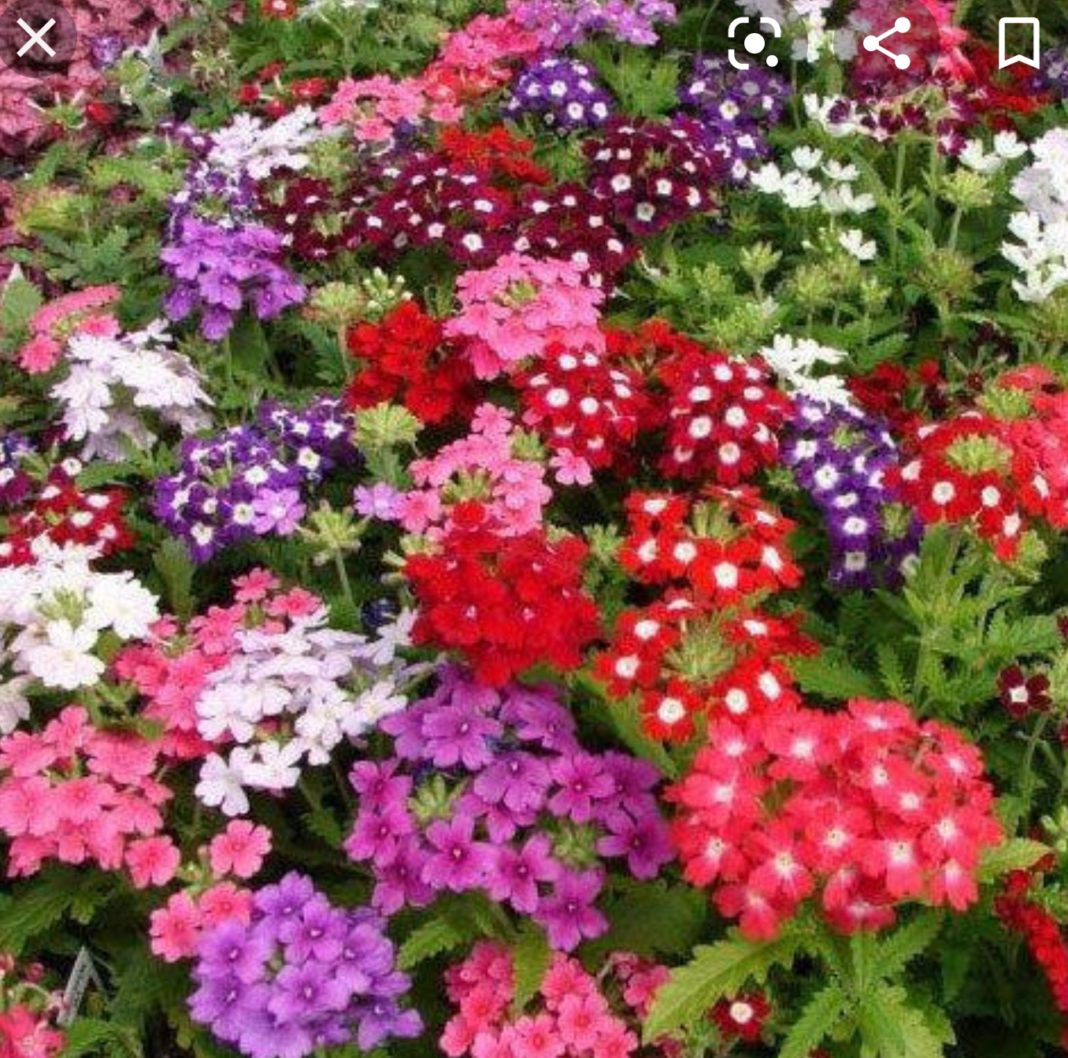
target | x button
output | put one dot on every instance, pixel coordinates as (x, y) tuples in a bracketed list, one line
[(37, 37)]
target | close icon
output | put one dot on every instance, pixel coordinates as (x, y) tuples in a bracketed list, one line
[(874, 43), (754, 42), (37, 37)]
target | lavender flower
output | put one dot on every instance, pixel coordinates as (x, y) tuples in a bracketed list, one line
[(216, 270), (562, 93), (301, 974), (250, 480), (562, 23), (490, 790), (840, 457)]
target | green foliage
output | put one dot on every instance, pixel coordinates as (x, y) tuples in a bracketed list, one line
[(531, 955), (34, 907), (717, 970), (816, 1021), (653, 920)]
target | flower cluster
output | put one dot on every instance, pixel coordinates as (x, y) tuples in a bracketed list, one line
[(299, 972), (560, 23), (15, 483), (249, 481), (735, 107), (863, 809), (55, 614), (62, 514), (519, 307), (490, 789), (723, 413), (291, 690), (81, 312), (404, 357), (575, 1016), (216, 270), (703, 645), (80, 795), (478, 470), (653, 174), (842, 459), (588, 407), (967, 470), (561, 93), (118, 387), (505, 603)]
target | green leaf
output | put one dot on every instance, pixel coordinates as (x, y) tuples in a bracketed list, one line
[(176, 568), (819, 1017), (39, 906), (92, 1036), (892, 672), (715, 971), (1016, 854), (891, 1028), (832, 676), (21, 300), (531, 953), (904, 944), (430, 939), (248, 347), (652, 919)]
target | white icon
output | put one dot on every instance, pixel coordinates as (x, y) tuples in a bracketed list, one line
[(875, 43), (36, 37), (1004, 59), (754, 42)]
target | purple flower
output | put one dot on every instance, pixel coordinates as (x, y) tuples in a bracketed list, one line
[(281, 905), (278, 511), (458, 734), (400, 881), (562, 93), (516, 780), (515, 873), (583, 781), (376, 501), (320, 934), (377, 832), (458, 862), (230, 951), (379, 784), (643, 842), (568, 913)]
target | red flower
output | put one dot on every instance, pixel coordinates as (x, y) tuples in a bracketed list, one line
[(505, 604), (742, 1017), (279, 8)]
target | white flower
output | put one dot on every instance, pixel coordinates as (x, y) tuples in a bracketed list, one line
[(975, 158), (119, 601), (63, 657), (1009, 146), (373, 705), (391, 638), (853, 242), (276, 766), (795, 359), (14, 705), (221, 782), (248, 145), (806, 158), (220, 710)]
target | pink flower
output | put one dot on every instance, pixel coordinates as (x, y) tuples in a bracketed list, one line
[(240, 849), (223, 902), (255, 585), (537, 1037), (571, 469), (152, 861), (26, 806), (175, 928)]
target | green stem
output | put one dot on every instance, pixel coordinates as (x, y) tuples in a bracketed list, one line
[(954, 227), (1027, 770), (343, 352), (343, 579)]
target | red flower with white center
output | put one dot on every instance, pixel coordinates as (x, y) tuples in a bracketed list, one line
[(582, 403), (858, 810), (742, 1017), (61, 514)]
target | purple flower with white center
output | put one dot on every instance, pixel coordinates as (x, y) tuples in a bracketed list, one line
[(300, 974), (248, 480), (561, 93), (15, 483), (505, 812), (568, 913), (840, 457)]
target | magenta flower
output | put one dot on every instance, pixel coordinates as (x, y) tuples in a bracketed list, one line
[(458, 862), (515, 873), (568, 913)]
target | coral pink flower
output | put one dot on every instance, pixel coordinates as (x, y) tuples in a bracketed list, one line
[(175, 928), (152, 861), (240, 849)]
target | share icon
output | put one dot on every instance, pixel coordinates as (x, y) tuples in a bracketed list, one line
[(875, 43)]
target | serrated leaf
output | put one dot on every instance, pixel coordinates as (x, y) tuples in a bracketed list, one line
[(37, 907), (892, 1028), (86, 1036), (819, 1017), (715, 971), (652, 919), (831, 676), (430, 939), (904, 944), (531, 955), (176, 568), (1016, 854), (891, 671)]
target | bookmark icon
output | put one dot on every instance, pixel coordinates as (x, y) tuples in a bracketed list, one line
[(1004, 58)]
